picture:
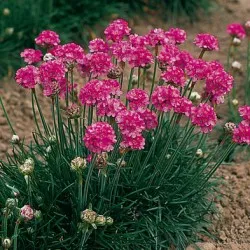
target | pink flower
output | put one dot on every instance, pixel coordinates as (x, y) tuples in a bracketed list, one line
[(99, 63), (245, 113), (174, 75), (110, 107), (98, 45), (241, 134), (149, 118), (69, 53), (214, 66), (32, 56), (236, 30), (177, 35), (47, 38), (113, 86), (165, 98), (169, 54), (218, 83), (183, 59), (27, 213), (204, 117), (138, 41), (137, 98), (206, 42), (156, 37), (27, 77), (117, 30), (140, 57), (130, 123), (99, 137), (121, 50), (183, 106), (136, 143), (197, 69)]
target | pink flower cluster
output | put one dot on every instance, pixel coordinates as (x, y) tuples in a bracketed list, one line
[(32, 56), (169, 54), (176, 35), (27, 213), (174, 75), (110, 107), (47, 38), (99, 137), (140, 57), (137, 98), (236, 30), (206, 42), (98, 45), (245, 113), (197, 69)]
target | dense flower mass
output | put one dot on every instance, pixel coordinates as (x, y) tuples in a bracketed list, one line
[(174, 75), (136, 142), (137, 98), (156, 37), (236, 30), (183, 106), (197, 69), (110, 107), (149, 118), (206, 42), (99, 137), (31, 56), (245, 113), (98, 45), (27, 77), (140, 57), (47, 38), (138, 41), (204, 117), (117, 30), (169, 54), (165, 98), (241, 134), (27, 213), (121, 50), (176, 35)]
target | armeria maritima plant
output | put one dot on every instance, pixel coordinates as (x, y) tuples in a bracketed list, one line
[(123, 164)]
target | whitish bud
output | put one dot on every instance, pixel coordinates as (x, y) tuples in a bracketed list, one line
[(121, 162), (229, 127), (11, 203), (236, 41), (199, 153), (9, 31), (109, 221), (48, 149), (38, 215), (134, 79), (28, 167), (195, 96), (235, 102), (168, 156), (52, 139), (236, 65), (6, 243), (15, 139), (100, 220), (48, 57), (78, 164), (88, 216), (6, 11)]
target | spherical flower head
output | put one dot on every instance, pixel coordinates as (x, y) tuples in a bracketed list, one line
[(236, 30), (165, 98), (98, 45), (6, 243), (149, 117), (28, 167), (15, 139), (27, 213), (130, 123), (117, 30), (100, 220), (99, 63), (156, 37), (138, 98), (111, 107), (138, 41), (183, 106), (135, 143), (206, 42), (99, 137), (101, 161), (174, 75), (88, 216), (69, 53), (121, 50), (27, 77), (169, 54), (109, 221), (115, 72), (73, 111), (241, 134), (140, 57), (184, 57), (47, 38), (177, 35), (113, 86), (214, 66), (197, 69), (204, 117), (245, 113), (32, 55), (78, 164)]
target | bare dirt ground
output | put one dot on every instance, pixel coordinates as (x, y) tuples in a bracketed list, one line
[(232, 225)]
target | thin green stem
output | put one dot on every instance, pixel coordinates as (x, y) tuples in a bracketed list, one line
[(7, 117), (15, 236)]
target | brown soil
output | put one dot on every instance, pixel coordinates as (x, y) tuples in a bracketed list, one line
[(232, 226)]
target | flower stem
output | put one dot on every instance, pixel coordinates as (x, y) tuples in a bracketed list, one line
[(15, 236)]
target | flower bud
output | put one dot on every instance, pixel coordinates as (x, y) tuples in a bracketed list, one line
[(48, 57), (6, 243), (88, 216), (236, 65), (168, 156), (199, 153), (229, 127), (114, 72), (162, 66), (28, 167), (195, 96), (109, 221), (9, 31), (123, 150), (11, 203), (78, 164), (48, 149), (235, 102), (38, 215), (100, 220), (236, 41), (134, 79), (15, 139), (73, 111), (101, 160), (6, 11), (121, 162), (27, 213), (52, 139)]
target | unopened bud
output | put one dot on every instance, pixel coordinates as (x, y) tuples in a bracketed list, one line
[(236, 65), (109, 221), (15, 139), (9, 31), (48, 149), (195, 96), (6, 11), (236, 41), (235, 102), (199, 153), (120, 162), (52, 139), (27, 213), (38, 215), (28, 167), (11, 203), (168, 156), (162, 66), (6, 243), (88, 216), (100, 220), (229, 127), (78, 164), (73, 111), (134, 79), (115, 72), (101, 160), (48, 57)]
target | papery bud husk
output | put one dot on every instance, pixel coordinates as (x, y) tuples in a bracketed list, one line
[(78, 164), (162, 66), (15, 139), (88, 216), (115, 72), (120, 162), (73, 111), (100, 220), (199, 153), (229, 127), (11, 203), (6, 243), (28, 167), (109, 221), (101, 160)]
